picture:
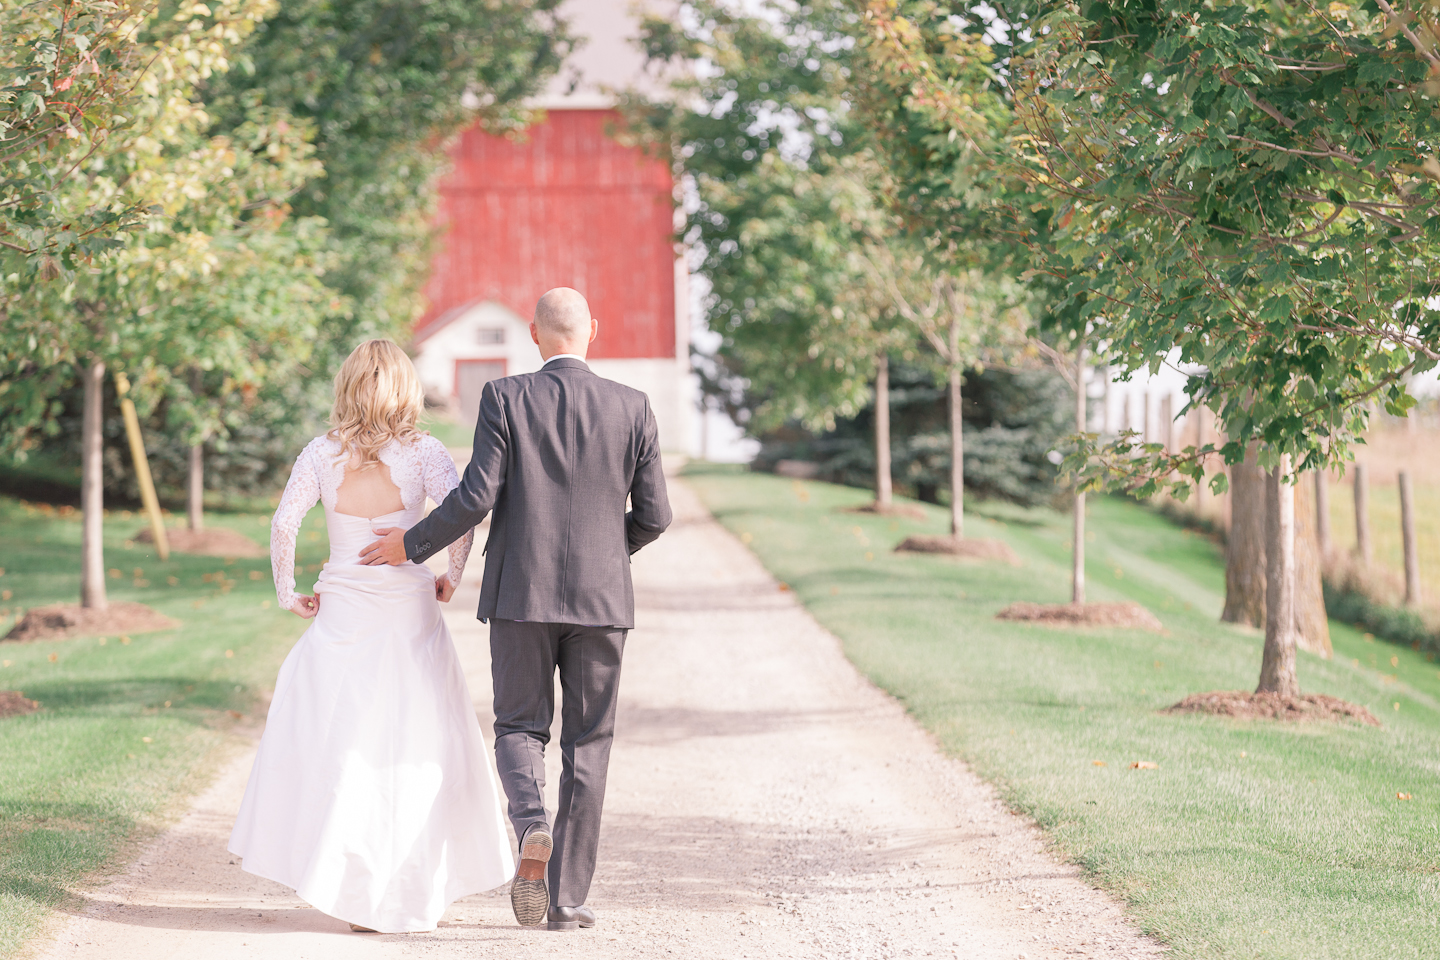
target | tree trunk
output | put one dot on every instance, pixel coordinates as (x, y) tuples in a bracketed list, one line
[(883, 487), (1322, 513), (957, 438), (1312, 626), (1407, 538), (92, 494), (1245, 546), (1200, 490), (704, 428), (195, 499), (1277, 666), (1077, 552), (1246, 570)]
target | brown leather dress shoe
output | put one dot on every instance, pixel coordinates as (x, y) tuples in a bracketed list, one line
[(529, 895), (571, 918)]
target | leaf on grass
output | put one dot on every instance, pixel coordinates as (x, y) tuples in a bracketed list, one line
[(53, 657), (1403, 796), (1098, 763), (1144, 765)]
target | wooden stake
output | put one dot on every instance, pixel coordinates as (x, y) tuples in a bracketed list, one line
[(1362, 514), (1412, 549), (142, 466)]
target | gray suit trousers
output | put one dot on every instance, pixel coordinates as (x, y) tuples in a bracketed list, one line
[(524, 657)]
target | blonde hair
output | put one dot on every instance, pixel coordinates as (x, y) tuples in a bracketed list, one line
[(377, 400)]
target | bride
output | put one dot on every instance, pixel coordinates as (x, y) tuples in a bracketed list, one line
[(372, 794)]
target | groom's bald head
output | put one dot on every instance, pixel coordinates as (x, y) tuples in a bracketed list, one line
[(563, 314), (563, 323)]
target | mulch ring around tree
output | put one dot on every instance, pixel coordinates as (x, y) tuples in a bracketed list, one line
[(1244, 705), (210, 542), (961, 548), (1082, 615), (893, 510), (62, 620), (14, 704)]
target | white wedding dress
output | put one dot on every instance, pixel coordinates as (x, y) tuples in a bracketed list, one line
[(373, 794)]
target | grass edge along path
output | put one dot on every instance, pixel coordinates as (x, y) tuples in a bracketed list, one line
[(130, 727), (1250, 839)]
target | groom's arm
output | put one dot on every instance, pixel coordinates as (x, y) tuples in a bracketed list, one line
[(466, 506), (649, 504)]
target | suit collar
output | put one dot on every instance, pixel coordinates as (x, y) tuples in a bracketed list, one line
[(565, 362)]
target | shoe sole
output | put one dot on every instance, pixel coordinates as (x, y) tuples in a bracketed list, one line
[(530, 898)]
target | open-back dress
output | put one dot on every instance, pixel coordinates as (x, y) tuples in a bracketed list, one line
[(373, 793)]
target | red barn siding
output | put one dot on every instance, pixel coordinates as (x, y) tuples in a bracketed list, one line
[(567, 206)]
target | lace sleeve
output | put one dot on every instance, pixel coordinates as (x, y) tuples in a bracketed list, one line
[(301, 493), (441, 477)]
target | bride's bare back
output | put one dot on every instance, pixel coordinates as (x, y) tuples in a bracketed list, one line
[(367, 492)]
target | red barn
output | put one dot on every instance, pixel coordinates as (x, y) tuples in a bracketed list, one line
[(566, 205)]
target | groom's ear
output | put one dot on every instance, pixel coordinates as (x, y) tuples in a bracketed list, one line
[(535, 335), (594, 330)]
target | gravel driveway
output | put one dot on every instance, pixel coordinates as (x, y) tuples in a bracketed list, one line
[(764, 801)]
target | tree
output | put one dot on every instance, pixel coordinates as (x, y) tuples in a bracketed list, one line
[(336, 253), (1255, 187), (141, 300), (935, 107), (960, 316), (67, 72), (385, 83), (785, 201), (1246, 570)]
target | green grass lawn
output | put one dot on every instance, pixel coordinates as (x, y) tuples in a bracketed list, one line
[(447, 429), (125, 730), (1252, 839)]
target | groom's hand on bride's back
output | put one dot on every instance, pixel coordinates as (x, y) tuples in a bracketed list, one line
[(390, 548)]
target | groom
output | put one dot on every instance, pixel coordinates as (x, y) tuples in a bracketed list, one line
[(556, 454)]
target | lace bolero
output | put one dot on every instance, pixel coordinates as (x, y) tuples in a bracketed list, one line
[(421, 468)]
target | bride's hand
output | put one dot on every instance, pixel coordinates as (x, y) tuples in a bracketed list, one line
[(444, 589), (306, 607)]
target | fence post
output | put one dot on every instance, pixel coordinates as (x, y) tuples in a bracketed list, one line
[(1167, 423), (1412, 549), (1362, 513)]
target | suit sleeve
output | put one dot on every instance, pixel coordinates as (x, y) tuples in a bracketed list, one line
[(649, 505), (474, 497)]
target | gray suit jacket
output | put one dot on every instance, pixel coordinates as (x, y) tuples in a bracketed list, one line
[(556, 453)]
